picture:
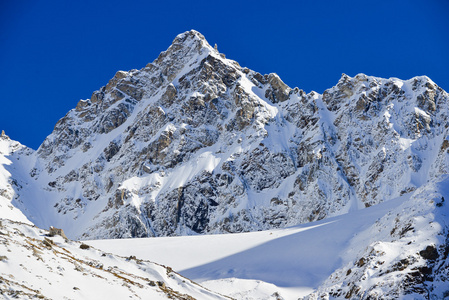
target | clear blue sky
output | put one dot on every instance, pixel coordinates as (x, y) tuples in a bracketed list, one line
[(53, 53)]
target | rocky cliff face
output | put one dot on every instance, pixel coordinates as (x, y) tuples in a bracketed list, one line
[(195, 143)]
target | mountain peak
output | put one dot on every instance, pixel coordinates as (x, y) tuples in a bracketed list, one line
[(190, 40), (188, 36)]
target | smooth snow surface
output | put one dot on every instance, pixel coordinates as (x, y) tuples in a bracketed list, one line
[(292, 261)]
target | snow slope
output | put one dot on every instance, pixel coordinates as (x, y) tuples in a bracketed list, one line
[(8, 196), (35, 266), (302, 260)]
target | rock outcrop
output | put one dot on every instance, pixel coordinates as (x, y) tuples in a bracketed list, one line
[(56, 231)]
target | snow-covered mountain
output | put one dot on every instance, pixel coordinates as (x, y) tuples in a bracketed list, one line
[(194, 143)]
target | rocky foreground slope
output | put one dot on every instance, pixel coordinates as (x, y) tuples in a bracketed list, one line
[(34, 265), (195, 143)]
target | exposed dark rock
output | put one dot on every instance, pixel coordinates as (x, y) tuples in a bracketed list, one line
[(429, 253), (84, 246)]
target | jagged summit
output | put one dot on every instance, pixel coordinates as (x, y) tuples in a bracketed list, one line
[(193, 40), (190, 36)]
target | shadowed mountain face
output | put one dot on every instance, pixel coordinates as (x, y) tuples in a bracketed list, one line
[(194, 143)]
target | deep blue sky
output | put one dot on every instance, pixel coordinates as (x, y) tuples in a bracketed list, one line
[(53, 53)]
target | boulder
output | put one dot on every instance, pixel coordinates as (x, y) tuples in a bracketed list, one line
[(56, 231)]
